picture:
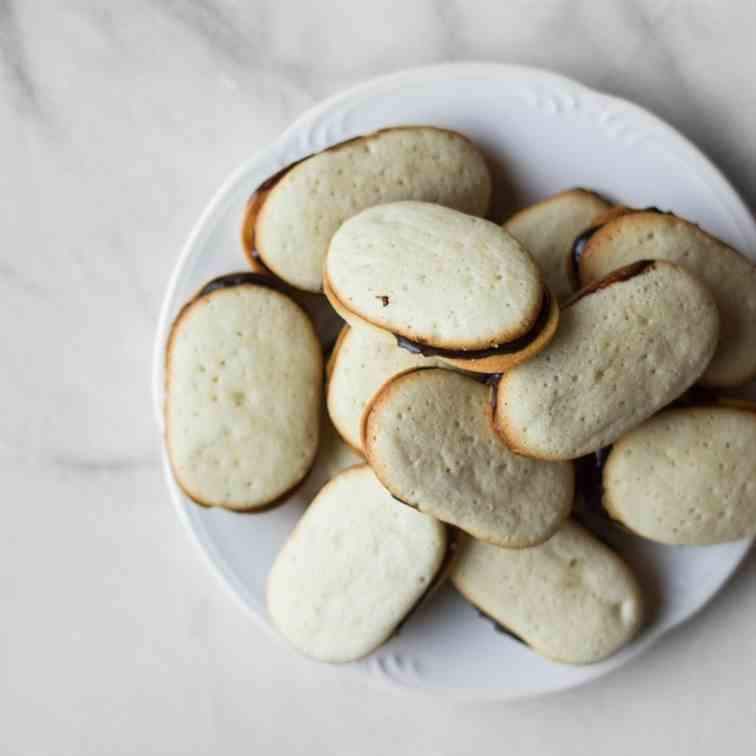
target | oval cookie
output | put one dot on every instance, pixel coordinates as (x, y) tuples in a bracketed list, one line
[(729, 276), (243, 392), (548, 229), (430, 440), (443, 283), (292, 218), (571, 599), (360, 364), (626, 346), (686, 476), (355, 566)]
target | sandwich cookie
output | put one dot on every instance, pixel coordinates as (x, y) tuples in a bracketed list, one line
[(362, 362), (730, 277), (627, 346), (292, 217), (430, 440), (687, 475), (548, 229), (357, 563), (571, 599), (442, 283), (244, 373)]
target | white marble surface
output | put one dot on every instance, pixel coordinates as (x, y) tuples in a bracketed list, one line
[(117, 122)]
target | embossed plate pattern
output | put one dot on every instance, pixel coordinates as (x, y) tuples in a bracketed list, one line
[(543, 133)]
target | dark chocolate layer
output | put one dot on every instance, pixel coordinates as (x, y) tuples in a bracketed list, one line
[(616, 276), (511, 347), (499, 628), (589, 483), (240, 279), (578, 247), (402, 501), (582, 239)]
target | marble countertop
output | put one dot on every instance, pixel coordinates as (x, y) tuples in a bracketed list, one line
[(118, 122)]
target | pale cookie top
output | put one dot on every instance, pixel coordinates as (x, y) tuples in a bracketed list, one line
[(686, 476), (730, 277), (435, 275), (621, 353), (430, 439), (549, 228), (571, 599), (308, 203), (356, 564), (243, 383), (361, 363)]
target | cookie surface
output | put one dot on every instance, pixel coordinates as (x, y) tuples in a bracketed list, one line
[(293, 220), (243, 395), (356, 564), (430, 440), (729, 276), (548, 229), (571, 599), (435, 276), (624, 349), (361, 363), (686, 476)]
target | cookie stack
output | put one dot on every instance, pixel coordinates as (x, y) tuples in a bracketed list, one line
[(480, 372)]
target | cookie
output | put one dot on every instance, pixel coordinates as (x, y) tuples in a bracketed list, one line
[(443, 283), (356, 565), (548, 228), (430, 440), (292, 217), (730, 277), (686, 476), (571, 599), (244, 374), (626, 346), (361, 362)]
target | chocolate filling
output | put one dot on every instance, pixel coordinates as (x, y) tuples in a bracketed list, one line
[(696, 396), (589, 483), (511, 347), (240, 279), (616, 276), (589, 474), (493, 381), (578, 247), (582, 239), (499, 628), (402, 501)]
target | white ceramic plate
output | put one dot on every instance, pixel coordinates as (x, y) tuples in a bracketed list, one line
[(544, 133)]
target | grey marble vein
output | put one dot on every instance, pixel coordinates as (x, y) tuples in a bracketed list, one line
[(212, 23), (450, 19), (13, 277), (85, 464), (241, 41), (16, 65)]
